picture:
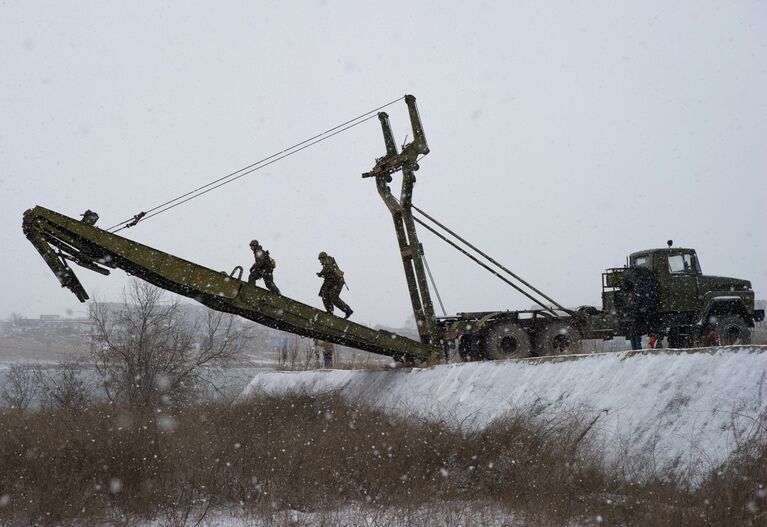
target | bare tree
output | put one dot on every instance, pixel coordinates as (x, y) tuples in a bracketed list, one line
[(295, 354), (148, 352), (63, 387), (66, 387), (18, 387)]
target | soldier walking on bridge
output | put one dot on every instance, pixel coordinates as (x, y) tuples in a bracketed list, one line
[(262, 267), (331, 287)]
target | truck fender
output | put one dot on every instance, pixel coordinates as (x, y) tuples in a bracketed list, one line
[(485, 322), (725, 305), (461, 327)]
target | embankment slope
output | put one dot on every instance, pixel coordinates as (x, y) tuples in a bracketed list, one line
[(680, 410)]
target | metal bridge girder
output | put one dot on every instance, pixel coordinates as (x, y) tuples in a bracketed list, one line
[(92, 248)]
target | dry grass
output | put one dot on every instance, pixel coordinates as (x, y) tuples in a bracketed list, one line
[(322, 453), (759, 333)]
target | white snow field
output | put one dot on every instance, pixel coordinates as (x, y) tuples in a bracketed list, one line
[(683, 411)]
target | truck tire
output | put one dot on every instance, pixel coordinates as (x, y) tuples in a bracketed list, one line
[(559, 338), (733, 330), (507, 340)]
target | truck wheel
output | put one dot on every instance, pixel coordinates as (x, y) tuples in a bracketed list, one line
[(732, 330), (507, 340), (559, 338)]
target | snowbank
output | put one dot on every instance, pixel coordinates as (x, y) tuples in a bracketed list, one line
[(683, 410)]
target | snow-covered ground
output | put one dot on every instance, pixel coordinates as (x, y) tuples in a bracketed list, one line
[(679, 410)]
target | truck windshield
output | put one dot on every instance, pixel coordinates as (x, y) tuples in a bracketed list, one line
[(682, 263)]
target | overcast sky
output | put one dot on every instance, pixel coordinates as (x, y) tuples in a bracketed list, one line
[(563, 135)]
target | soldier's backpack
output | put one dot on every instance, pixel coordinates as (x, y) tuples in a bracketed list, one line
[(338, 272)]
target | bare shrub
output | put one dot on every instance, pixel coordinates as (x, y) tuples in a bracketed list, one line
[(19, 388), (65, 387), (148, 351), (759, 333), (321, 458), (297, 354), (737, 491)]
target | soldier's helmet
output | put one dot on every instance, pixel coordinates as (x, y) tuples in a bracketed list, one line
[(253, 243), (322, 255)]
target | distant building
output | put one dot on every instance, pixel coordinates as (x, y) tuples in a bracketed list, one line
[(47, 326)]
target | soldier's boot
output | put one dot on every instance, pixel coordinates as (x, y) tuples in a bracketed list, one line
[(343, 306)]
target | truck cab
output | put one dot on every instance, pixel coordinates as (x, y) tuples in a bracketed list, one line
[(677, 272), (683, 303)]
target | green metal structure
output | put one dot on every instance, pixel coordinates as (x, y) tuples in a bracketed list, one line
[(411, 250), (60, 239)]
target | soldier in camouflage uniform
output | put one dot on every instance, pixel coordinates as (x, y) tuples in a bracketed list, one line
[(262, 267), (331, 287)]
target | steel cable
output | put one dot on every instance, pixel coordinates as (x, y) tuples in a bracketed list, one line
[(250, 168), (489, 258), (434, 284)]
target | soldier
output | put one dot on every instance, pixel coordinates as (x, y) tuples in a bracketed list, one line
[(327, 351), (262, 267), (331, 287)]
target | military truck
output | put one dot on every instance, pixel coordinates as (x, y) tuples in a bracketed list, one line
[(665, 292), (661, 291)]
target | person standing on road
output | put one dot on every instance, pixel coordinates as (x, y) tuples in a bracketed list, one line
[(262, 267), (655, 342), (331, 286), (327, 349)]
